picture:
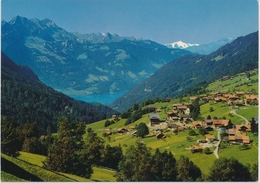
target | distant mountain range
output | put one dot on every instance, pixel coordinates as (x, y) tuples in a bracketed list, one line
[(83, 64), (189, 71), (200, 48), (25, 99)]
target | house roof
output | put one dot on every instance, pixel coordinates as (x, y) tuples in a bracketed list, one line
[(182, 107), (193, 98), (160, 135), (220, 99), (251, 97), (196, 123), (231, 131), (246, 127), (181, 128), (175, 105), (208, 136), (223, 122), (154, 116), (240, 93)]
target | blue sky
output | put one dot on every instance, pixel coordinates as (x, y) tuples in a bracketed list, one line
[(163, 21)]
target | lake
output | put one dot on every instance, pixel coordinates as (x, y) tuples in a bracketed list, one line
[(100, 98)]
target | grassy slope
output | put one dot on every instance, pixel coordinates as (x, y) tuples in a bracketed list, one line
[(32, 163), (177, 143)]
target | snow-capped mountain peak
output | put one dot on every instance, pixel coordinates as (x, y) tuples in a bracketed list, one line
[(180, 45)]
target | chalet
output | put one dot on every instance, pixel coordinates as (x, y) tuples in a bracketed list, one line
[(181, 109), (250, 98), (193, 98), (196, 124), (173, 126), (208, 122), (195, 148), (239, 139), (154, 119), (122, 131), (114, 116), (240, 93), (134, 133), (225, 78), (220, 99), (207, 98), (172, 116), (231, 132), (243, 128), (160, 135), (132, 127), (181, 128), (219, 123), (210, 138)]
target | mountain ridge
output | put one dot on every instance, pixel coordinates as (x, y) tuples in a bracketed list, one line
[(204, 49), (169, 81), (83, 64)]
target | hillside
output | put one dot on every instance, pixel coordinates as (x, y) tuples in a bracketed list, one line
[(176, 143), (28, 167), (188, 71), (26, 99), (82, 64)]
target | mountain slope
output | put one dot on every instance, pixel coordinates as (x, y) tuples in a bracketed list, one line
[(188, 71), (82, 64), (25, 99)]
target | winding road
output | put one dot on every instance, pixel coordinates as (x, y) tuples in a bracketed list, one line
[(215, 152), (234, 112)]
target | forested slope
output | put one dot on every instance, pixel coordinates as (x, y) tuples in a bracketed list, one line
[(26, 99)]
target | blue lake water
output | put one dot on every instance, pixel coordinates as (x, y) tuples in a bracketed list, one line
[(101, 98)]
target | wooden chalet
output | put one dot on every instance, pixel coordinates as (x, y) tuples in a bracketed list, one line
[(122, 131), (154, 119), (196, 124), (160, 135), (210, 138), (250, 98)]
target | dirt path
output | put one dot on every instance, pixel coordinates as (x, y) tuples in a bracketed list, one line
[(215, 152), (234, 112)]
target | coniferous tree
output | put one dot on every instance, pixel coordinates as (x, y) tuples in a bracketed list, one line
[(254, 172), (229, 169), (111, 156), (163, 166), (187, 170), (195, 109), (254, 126), (10, 143), (142, 130), (136, 164)]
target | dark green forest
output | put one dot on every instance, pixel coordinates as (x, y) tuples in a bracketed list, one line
[(27, 100)]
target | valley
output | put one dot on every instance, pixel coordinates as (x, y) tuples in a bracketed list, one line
[(102, 107), (105, 99)]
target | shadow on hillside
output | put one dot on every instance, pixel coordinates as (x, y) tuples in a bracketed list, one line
[(9, 167)]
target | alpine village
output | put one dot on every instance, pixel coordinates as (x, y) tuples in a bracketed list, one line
[(193, 119)]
